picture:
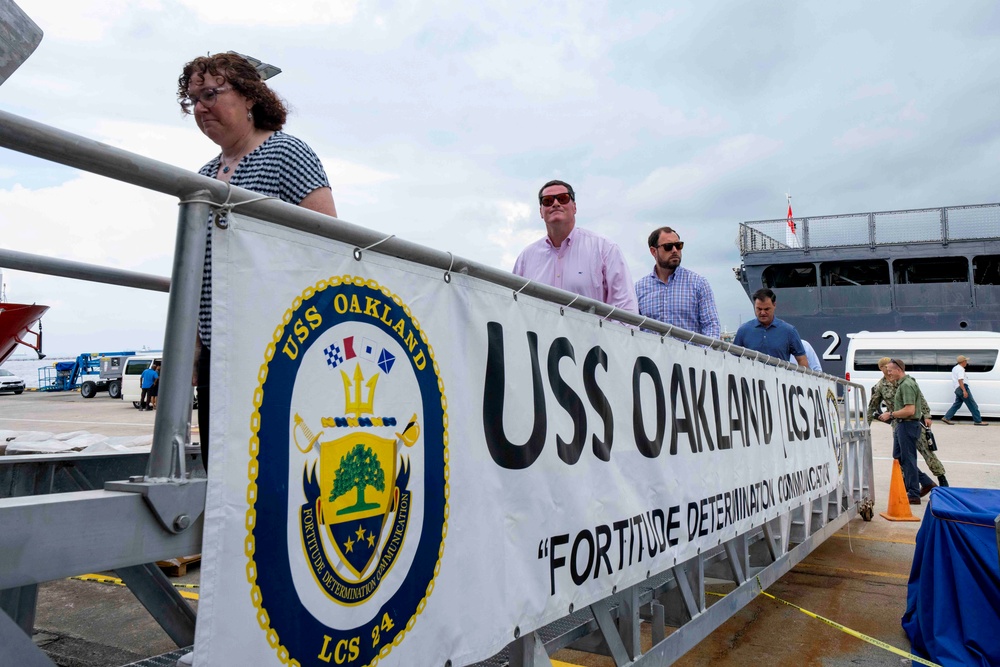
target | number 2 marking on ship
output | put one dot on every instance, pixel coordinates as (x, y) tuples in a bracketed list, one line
[(829, 354)]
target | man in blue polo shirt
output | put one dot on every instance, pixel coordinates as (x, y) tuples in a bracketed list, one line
[(768, 334), (146, 382)]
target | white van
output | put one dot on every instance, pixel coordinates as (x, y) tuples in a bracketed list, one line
[(929, 357)]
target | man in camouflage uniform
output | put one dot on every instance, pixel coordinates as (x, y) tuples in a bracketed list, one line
[(885, 391)]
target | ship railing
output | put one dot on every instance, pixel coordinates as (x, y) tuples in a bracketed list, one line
[(159, 515), (923, 225)]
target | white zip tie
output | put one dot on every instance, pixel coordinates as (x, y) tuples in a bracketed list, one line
[(223, 209), (447, 274), (358, 251)]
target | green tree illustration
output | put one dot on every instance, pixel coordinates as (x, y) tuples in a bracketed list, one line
[(359, 468)]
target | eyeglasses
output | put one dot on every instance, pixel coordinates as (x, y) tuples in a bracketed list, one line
[(563, 198), (667, 247), (207, 97)]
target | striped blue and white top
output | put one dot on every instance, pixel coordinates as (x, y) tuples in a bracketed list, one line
[(283, 167)]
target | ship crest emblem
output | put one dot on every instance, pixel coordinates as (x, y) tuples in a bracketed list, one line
[(349, 476), (353, 487)]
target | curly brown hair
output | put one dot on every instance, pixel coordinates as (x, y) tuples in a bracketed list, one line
[(269, 112)]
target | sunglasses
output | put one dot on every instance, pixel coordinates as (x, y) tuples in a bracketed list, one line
[(563, 198), (667, 247)]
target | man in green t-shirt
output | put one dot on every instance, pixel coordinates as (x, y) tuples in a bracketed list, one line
[(884, 391), (906, 431)]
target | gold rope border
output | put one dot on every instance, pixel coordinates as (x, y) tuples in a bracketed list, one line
[(249, 547)]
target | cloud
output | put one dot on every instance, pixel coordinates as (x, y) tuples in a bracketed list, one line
[(80, 21), (893, 127), (266, 13), (863, 137), (684, 181), (513, 232), (869, 90)]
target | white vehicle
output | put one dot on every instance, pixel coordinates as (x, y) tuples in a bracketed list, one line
[(929, 357), (10, 382)]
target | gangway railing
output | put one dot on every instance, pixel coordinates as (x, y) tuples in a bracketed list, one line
[(160, 514), (941, 225)]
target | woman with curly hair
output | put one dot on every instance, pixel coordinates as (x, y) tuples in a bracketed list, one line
[(236, 110)]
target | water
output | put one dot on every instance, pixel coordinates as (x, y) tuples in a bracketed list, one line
[(27, 367)]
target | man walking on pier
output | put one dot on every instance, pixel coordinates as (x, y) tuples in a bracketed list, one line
[(884, 391), (906, 430), (768, 334), (573, 258), (673, 294), (962, 394)]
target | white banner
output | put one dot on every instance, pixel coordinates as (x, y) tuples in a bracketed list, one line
[(405, 469)]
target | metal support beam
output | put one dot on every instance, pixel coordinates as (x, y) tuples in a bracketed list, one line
[(629, 621), (35, 474), (657, 622), (528, 651), (174, 413), (20, 604), (16, 648), (176, 503), (22, 261), (152, 588), (602, 614), (66, 534)]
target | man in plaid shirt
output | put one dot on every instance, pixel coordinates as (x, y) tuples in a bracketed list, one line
[(673, 294)]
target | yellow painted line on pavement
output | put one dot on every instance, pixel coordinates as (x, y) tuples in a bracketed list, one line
[(843, 628), (115, 581)]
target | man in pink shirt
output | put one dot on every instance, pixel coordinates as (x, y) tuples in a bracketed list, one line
[(572, 258)]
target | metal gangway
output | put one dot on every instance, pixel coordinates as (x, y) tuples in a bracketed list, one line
[(158, 513)]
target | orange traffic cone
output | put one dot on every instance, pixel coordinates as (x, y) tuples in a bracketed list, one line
[(899, 503)]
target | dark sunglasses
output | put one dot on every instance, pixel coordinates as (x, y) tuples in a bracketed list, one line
[(563, 198), (667, 247)]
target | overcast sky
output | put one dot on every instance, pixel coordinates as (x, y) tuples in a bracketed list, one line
[(438, 121)]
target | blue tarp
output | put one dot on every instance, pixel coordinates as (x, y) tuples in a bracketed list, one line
[(953, 597)]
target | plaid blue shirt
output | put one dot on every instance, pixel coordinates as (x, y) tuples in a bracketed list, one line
[(685, 301)]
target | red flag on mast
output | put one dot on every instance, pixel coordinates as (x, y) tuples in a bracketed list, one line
[(791, 220)]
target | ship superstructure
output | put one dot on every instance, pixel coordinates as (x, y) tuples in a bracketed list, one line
[(934, 269)]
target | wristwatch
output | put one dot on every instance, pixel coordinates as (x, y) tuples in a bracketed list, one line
[(890, 414)]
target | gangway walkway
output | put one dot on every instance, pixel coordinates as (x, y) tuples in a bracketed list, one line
[(804, 460)]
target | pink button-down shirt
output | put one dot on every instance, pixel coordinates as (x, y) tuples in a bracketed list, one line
[(586, 263)]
